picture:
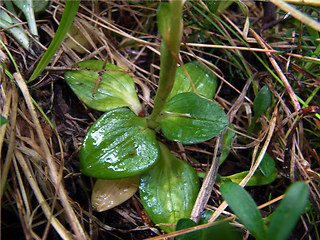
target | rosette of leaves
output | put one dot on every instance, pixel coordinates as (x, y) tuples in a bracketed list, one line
[(120, 144)]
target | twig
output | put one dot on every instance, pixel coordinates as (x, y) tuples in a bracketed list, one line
[(43, 203), (209, 180), (224, 204)]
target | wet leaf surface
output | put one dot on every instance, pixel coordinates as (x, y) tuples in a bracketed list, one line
[(118, 145), (169, 190)]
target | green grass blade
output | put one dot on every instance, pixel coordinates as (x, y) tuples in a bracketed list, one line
[(11, 58), (244, 207), (287, 214), (69, 13)]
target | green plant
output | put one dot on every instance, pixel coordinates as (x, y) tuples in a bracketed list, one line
[(122, 143), (260, 105), (68, 15), (9, 20), (3, 120), (220, 231), (136, 144), (282, 220), (265, 174)]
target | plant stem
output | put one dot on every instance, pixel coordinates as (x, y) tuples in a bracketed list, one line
[(170, 47)]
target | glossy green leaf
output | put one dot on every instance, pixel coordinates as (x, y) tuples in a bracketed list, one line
[(262, 102), (107, 194), (288, 212), (188, 118), (163, 18), (244, 207), (227, 142), (267, 165), (220, 231), (204, 81), (258, 178), (118, 145), (3, 121), (116, 88), (169, 189), (185, 223), (205, 216), (260, 105)]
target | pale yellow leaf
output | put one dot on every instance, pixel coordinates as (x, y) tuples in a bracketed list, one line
[(107, 194)]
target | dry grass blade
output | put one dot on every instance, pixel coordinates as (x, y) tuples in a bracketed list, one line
[(210, 178), (285, 81), (230, 47), (73, 220), (13, 117), (252, 170), (6, 96), (297, 14), (263, 150), (65, 234), (314, 3), (189, 230)]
